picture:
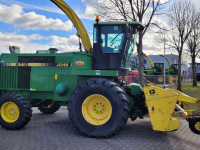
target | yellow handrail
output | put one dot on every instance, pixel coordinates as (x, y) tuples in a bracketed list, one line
[(170, 65), (151, 62)]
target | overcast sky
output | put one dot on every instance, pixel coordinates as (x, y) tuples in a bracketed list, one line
[(39, 24)]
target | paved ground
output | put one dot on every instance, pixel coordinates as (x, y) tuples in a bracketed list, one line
[(55, 132)]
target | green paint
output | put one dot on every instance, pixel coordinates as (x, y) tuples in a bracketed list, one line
[(62, 89), (120, 23)]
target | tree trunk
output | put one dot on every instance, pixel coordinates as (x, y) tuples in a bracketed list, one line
[(179, 72), (141, 60), (194, 71)]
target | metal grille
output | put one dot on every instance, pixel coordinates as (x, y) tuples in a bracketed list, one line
[(8, 77), (36, 59), (24, 77)]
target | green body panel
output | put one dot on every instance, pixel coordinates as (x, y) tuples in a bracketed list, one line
[(44, 78), (9, 58), (135, 88), (149, 71), (152, 71), (8, 77), (136, 100), (70, 80), (120, 23)]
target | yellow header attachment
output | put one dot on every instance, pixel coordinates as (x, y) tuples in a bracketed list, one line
[(81, 31), (170, 65), (151, 62)]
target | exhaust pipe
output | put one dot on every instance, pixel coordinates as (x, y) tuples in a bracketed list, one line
[(12, 51)]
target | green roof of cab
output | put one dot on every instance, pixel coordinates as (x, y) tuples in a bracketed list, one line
[(120, 23)]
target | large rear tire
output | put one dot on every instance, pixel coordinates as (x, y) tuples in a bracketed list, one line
[(49, 107), (98, 108), (15, 111)]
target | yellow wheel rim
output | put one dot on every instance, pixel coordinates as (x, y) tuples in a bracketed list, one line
[(160, 79), (9, 112), (49, 105), (96, 109), (197, 126)]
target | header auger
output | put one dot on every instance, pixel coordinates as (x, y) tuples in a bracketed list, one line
[(99, 103)]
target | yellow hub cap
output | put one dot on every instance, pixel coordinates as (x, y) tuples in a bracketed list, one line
[(48, 105), (160, 79), (96, 109), (9, 112), (197, 126)]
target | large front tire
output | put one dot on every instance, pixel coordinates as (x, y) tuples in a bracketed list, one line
[(15, 111), (98, 108)]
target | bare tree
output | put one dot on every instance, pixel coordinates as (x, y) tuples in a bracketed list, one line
[(181, 20), (132, 10), (185, 58), (193, 43)]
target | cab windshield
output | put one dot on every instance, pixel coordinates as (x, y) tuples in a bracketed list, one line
[(175, 66), (112, 39), (159, 65)]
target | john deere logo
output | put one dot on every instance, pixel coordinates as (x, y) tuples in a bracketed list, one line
[(79, 63), (152, 92)]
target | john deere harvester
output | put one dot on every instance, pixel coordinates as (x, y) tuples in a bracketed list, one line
[(99, 104), (156, 72), (157, 69), (172, 71)]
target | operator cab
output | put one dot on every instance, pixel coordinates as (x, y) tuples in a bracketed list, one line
[(175, 67), (159, 67), (113, 45)]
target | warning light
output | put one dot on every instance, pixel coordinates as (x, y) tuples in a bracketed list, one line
[(97, 18)]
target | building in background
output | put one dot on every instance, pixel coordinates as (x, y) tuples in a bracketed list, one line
[(155, 58), (197, 70)]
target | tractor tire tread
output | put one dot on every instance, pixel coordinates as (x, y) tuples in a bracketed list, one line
[(192, 123), (26, 108), (121, 93), (56, 106)]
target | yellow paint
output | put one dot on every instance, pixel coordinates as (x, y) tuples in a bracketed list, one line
[(171, 79), (161, 106), (96, 109), (81, 31), (150, 60), (36, 64), (170, 65), (182, 111), (160, 78), (197, 126), (173, 124), (10, 112), (56, 76)]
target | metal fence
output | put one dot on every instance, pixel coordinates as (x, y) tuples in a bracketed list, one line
[(170, 80)]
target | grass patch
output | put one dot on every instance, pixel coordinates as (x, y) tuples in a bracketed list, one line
[(193, 91), (190, 90)]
